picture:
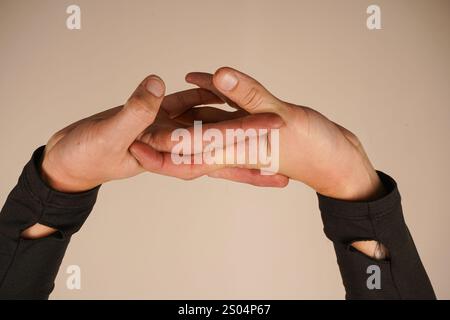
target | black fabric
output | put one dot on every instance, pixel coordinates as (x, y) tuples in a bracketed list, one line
[(28, 268), (402, 275)]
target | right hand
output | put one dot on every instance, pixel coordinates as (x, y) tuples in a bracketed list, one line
[(313, 149)]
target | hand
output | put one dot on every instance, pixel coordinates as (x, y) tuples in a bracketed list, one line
[(96, 149), (313, 149)]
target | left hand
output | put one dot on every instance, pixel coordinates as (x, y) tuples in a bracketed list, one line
[(95, 150)]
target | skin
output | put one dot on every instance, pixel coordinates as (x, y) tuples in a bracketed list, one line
[(127, 140), (96, 149), (327, 157)]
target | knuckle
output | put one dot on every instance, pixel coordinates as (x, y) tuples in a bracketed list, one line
[(252, 100), (140, 108), (55, 138), (159, 139), (353, 138), (180, 99)]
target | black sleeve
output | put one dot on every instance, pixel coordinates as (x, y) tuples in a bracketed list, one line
[(28, 268), (402, 275)]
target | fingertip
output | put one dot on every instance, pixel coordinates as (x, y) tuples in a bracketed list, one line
[(196, 77), (277, 181), (225, 78), (187, 77), (155, 85), (224, 69), (135, 150), (149, 158), (274, 179), (282, 182), (275, 120)]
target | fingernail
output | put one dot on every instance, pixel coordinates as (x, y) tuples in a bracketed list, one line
[(155, 87), (226, 81)]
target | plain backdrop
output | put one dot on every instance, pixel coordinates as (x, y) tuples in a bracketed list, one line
[(158, 237)]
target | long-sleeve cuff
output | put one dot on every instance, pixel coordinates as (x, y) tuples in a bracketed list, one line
[(28, 267), (33, 201), (403, 275)]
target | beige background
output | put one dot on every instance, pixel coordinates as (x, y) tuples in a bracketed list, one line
[(157, 237)]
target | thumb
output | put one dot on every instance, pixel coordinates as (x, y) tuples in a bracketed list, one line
[(245, 91), (139, 111)]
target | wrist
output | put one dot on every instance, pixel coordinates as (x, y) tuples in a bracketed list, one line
[(58, 180), (368, 187), (361, 184)]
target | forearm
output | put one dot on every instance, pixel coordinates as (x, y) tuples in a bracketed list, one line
[(29, 267), (402, 275)]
